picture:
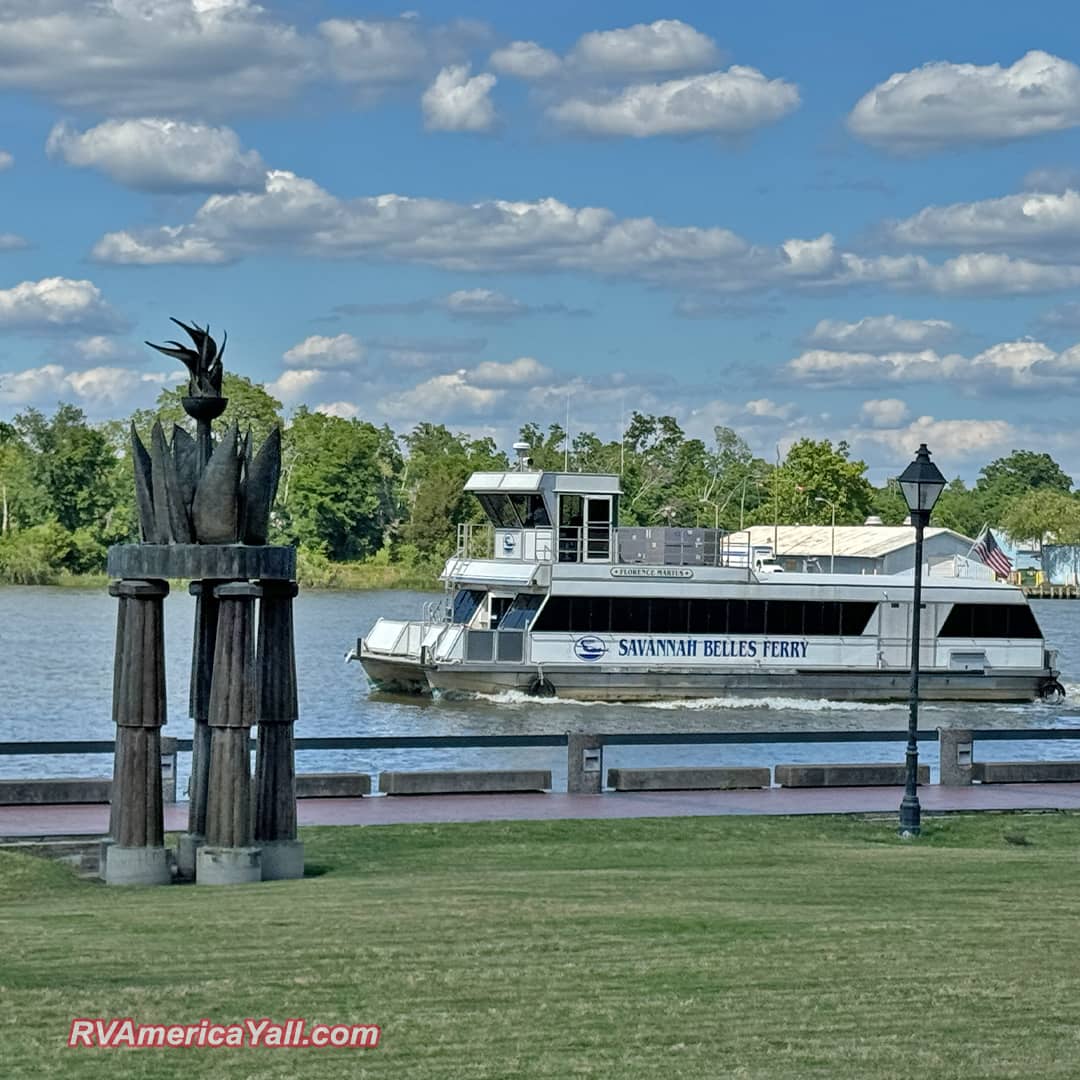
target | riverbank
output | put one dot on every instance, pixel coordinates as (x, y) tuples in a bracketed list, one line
[(312, 574), (680, 948)]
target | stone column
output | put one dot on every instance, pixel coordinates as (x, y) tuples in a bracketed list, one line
[(584, 763), (137, 854), (229, 856), (202, 668), (955, 757), (275, 759)]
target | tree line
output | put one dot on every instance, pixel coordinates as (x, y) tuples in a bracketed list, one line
[(354, 492)]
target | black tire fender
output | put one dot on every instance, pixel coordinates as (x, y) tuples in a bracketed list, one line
[(540, 687)]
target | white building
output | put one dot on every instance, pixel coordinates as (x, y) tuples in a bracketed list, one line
[(864, 549)]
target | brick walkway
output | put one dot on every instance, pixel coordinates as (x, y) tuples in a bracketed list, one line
[(82, 820)]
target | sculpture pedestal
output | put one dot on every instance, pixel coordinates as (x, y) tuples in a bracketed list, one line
[(228, 866), (137, 866), (187, 850), (282, 859)]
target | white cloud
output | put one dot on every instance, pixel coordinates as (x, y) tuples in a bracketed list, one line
[(884, 412), (767, 408), (343, 410), (53, 303), (6, 160), (941, 104), (443, 397), (318, 351), (12, 242), (524, 371), (1035, 220), (947, 439), (374, 55), (482, 304), (102, 387), (139, 56), (97, 347), (154, 154), (661, 46), (294, 215), (728, 102), (525, 60), (457, 102), (881, 332), (158, 247), (291, 386), (1016, 365)]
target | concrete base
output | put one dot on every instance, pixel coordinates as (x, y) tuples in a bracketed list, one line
[(136, 866), (282, 859), (464, 782), (332, 785), (74, 789), (1027, 772), (103, 855), (869, 775), (692, 779), (186, 851), (584, 763), (228, 866)]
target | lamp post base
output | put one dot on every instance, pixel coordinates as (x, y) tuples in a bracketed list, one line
[(910, 816)]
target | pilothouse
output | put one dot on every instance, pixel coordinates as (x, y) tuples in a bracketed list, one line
[(550, 596)]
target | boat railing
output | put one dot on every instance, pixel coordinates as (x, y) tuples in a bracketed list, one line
[(601, 542)]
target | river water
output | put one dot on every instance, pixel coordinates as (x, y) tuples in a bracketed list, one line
[(56, 651)]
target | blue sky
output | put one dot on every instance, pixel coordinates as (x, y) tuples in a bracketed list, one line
[(841, 221)]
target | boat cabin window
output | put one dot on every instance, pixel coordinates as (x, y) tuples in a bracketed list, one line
[(681, 615), (465, 604), (516, 511), (990, 621), (500, 605), (522, 612), (585, 526)]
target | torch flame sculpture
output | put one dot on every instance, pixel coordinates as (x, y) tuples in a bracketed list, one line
[(189, 491)]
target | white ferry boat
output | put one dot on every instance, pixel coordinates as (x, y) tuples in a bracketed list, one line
[(552, 598)]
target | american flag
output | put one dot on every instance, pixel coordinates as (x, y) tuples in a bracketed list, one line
[(986, 550)]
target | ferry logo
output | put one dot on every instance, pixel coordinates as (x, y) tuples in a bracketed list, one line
[(589, 648)]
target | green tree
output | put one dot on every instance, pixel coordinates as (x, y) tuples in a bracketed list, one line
[(958, 509), (818, 470), (1043, 515), (1008, 478), (337, 493)]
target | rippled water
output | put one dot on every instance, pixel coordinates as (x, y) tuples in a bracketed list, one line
[(56, 680)]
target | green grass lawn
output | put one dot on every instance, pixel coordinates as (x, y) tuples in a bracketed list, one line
[(724, 947)]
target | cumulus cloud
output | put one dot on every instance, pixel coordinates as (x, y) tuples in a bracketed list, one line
[(158, 155), (343, 410), (525, 60), (884, 412), (1034, 220), (134, 56), (950, 439), (445, 396), (55, 303), (96, 387), (730, 102), (12, 242), (458, 101), (374, 55), (766, 407), (881, 332), (524, 371), (1017, 365), (646, 48), (317, 351), (291, 386), (294, 215), (941, 104), (6, 160)]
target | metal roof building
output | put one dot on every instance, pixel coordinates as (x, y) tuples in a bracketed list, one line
[(866, 549)]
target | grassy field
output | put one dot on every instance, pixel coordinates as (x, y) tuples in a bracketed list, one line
[(713, 948)]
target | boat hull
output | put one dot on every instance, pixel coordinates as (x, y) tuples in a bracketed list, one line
[(395, 676), (596, 684)]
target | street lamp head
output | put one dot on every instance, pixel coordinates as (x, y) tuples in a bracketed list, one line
[(921, 483)]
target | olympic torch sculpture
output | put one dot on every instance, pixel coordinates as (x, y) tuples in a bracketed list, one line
[(204, 514)]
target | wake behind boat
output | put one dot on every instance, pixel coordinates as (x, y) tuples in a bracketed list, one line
[(551, 597)]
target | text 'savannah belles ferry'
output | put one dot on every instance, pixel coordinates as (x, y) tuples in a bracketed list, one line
[(551, 598)]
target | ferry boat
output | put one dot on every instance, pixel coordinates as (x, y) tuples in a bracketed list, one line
[(551, 597)]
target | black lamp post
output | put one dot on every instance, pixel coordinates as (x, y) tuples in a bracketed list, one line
[(921, 483)]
